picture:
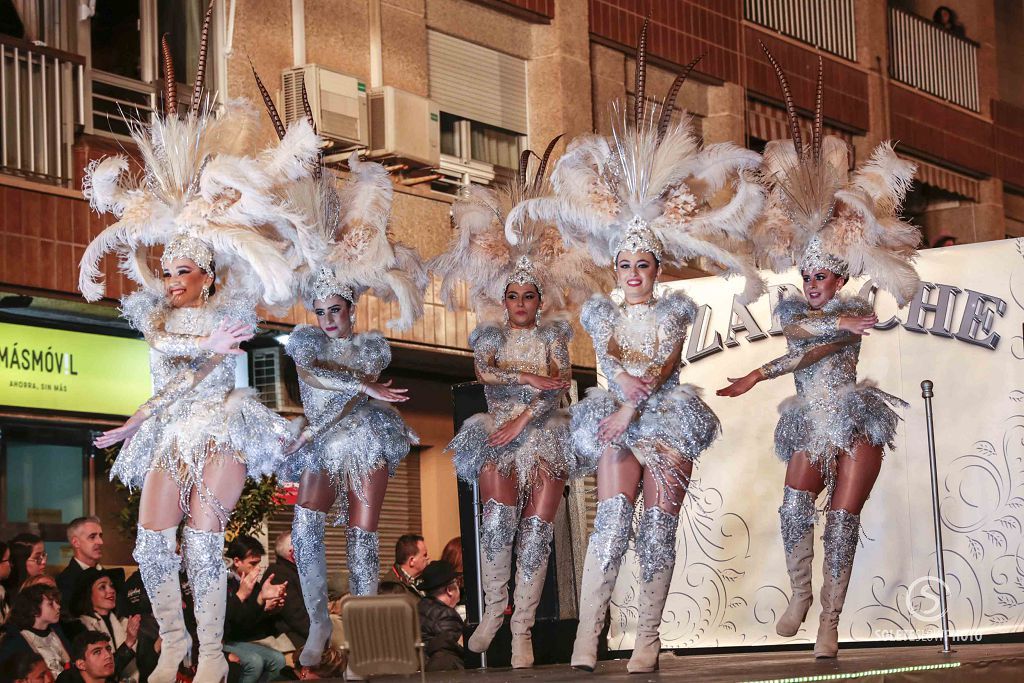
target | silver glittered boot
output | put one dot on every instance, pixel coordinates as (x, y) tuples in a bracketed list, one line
[(656, 553), (159, 564), (533, 547), (497, 531), (311, 562), (208, 576), (605, 550), (842, 531), (796, 517), (363, 558)]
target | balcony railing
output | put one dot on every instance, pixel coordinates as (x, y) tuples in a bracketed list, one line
[(931, 59), (42, 96), (826, 24), (117, 101)]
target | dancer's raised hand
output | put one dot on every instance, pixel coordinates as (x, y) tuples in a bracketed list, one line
[(382, 391), (224, 340), (858, 324), (741, 385)]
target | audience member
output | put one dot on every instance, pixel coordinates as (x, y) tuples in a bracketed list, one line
[(27, 667), (93, 603), (946, 19), (28, 559), (34, 625), (5, 573), (292, 619), (39, 580), (92, 660), (452, 554), (252, 605), (943, 241), (85, 534), (411, 558), (440, 625)]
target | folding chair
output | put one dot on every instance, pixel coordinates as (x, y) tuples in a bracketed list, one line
[(382, 636)]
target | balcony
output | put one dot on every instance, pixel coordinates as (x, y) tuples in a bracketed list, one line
[(43, 101), (826, 24), (933, 60)]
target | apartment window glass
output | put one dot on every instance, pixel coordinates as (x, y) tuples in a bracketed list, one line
[(116, 43)]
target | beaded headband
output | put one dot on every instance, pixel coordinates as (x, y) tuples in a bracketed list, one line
[(817, 258), (326, 285), (191, 248), (524, 274), (639, 237)]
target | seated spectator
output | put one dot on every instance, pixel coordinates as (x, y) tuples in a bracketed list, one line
[(452, 554), (92, 660), (34, 626), (411, 559), (27, 667), (93, 603), (28, 560), (441, 627), (5, 573), (292, 620), (85, 534), (40, 580), (251, 611)]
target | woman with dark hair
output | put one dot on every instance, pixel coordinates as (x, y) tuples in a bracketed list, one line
[(28, 560), (34, 626), (946, 19), (5, 574), (93, 605), (28, 667)]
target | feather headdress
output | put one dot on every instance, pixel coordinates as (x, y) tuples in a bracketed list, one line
[(820, 215), (204, 193), (344, 246), (481, 256), (648, 187)]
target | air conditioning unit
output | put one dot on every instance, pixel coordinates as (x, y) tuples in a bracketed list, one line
[(405, 127), (338, 102)]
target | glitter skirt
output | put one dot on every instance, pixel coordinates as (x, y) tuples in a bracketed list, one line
[(859, 411), (181, 439), (539, 448), (675, 424), (372, 436)]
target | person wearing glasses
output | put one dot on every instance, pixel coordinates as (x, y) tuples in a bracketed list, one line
[(28, 560)]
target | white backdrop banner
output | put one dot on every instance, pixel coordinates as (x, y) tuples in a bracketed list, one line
[(964, 332)]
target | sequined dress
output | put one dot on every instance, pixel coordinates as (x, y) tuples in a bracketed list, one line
[(196, 411), (674, 423), (831, 410), (351, 435), (500, 353)]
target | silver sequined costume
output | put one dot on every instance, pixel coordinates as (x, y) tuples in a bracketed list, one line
[(347, 445), (831, 410), (196, 411), (500, 353), (673, 424)]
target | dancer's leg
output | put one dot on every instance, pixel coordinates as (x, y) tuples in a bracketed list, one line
[(316, 496), (855, 478), (157, 555), (533, 547), (796, 520), (363, 554), (500, 496), (618, 477), (203, 547)]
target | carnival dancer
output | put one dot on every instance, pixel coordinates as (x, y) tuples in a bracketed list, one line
[(518, 451), (833, 225), (209, 202), (639, 202), (355, 440)]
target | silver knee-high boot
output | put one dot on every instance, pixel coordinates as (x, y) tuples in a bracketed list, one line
[(533, 547), (208, 576), (363, 557), (796, 517), (842, 531), (605, 550), (656, 553), (311, 562), (159, 564), (497, 531)]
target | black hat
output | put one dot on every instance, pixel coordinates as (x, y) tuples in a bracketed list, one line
[(437, 575)]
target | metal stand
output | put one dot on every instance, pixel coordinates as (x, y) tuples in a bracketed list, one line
[(927, 394), (477, 512)]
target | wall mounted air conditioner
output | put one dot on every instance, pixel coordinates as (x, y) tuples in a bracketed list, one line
[(405, 127), (338, 102)]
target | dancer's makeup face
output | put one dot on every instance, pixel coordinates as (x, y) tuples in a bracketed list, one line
[(332, 315), (184, 282), (820, 286), (522, 302), (636, 272)]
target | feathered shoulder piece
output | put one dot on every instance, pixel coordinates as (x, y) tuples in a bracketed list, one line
[(204, 194), (483, 258), (819, 215), (556, 330), (487, 337), (599, 315), (675, 310), (649, 188), (373, 353)]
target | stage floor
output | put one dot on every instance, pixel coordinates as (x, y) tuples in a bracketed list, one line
[(983, 662)]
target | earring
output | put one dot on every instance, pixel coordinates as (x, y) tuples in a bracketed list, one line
[(206, 293), (352, 316), (536, 317), (506, 317)]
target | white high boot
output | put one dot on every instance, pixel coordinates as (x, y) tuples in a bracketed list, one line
[(796, 517), (656, 553), (204, 562), (533, 548), (363, 558), (842, 530), (497, 531), (159, 564), (605, 550), (311, 561)]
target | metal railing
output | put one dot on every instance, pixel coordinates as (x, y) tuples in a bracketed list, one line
[(931, 59), (826, 24), (117, 102), (43, 100)]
